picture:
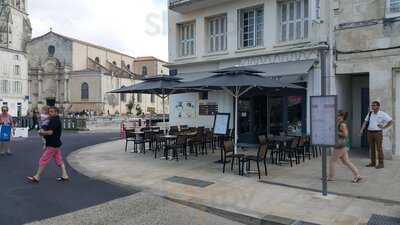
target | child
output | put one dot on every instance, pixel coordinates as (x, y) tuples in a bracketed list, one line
[(44, 120), (44, 117)]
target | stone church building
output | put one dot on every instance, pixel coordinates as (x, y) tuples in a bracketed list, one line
[(15, 32), (75, 76)]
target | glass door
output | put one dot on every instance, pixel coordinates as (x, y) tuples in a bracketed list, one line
[(276, 115)]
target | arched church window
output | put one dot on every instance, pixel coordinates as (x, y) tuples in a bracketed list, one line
[(144, 70), (85, 91), (128, 67), (97, 60), (51, 50)]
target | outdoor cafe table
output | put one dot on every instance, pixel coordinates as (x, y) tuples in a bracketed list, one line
[(170, 138), (280, 142)]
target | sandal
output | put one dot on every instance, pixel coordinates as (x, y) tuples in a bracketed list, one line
[(62, 179), (32, 180), (357, 179), (330, 179)]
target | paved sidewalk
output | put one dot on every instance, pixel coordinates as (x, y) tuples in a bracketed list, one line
[(246, 195)]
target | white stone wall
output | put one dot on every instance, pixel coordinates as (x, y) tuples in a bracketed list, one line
[(8, 60), (318, 31)]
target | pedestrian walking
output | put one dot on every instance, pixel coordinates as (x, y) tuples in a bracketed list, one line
[(35, 121), (340, 151), (375, 122), (52, 135), (7, 121)]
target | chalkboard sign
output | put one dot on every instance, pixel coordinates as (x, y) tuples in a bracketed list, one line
[(323, 120), (221, 123)]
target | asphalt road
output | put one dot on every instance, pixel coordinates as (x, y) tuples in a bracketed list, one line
[(21, 202)]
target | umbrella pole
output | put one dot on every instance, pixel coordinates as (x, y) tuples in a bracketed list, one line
[(163, 110), (236, 123)]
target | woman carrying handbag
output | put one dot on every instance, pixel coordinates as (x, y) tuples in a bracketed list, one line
[(6, 124), (340, 151)]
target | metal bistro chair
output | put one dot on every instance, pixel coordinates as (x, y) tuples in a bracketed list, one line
[(129, 137), (290, 151), (179, 145), (158, 143), (173, 130), (260, 157), (230, 153), (301, 149), (196, 143), (274, 149), (308, 151), (209, 141)]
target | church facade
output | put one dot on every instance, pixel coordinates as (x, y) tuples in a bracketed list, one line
[(76, 76), (15, 32)]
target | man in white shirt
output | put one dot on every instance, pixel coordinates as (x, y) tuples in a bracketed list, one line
[(375, 122)]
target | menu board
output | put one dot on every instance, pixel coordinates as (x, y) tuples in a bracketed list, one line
[(323, 120), (208, 109), (221, 123)]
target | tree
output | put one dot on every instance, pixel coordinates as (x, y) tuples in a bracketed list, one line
[(129, 106)]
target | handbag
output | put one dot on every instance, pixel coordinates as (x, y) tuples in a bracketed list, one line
[(5, 133), (341, 143), (369, 118)]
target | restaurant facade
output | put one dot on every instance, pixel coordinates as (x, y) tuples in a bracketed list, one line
[(289, 40), (281, 39)]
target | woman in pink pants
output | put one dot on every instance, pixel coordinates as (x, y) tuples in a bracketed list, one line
[(52, 135)]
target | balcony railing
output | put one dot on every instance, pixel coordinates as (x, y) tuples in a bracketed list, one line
[(174, 3), (184, 6)]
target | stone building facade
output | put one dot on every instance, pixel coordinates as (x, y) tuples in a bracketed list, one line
[(287, 37), (76, 76), (354, 46), (367, 38), (149, 66), (15, 32)]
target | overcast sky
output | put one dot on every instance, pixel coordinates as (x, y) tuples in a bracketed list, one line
[(134, 27)]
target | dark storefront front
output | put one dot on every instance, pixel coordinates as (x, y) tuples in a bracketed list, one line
[(272, 113)]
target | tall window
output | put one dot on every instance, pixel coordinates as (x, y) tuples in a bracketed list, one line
[(97, 60), (139, 98), (393, 8), (217, 33), (251, 27), (294, 20), (144, 70), (85, 91), (17, 87), (5, 87), (152, 98), (123, 97), (187, 33), (128, 67), (17, 70)]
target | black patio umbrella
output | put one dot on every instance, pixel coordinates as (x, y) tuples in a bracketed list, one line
[(237, 81), (161, 85)]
